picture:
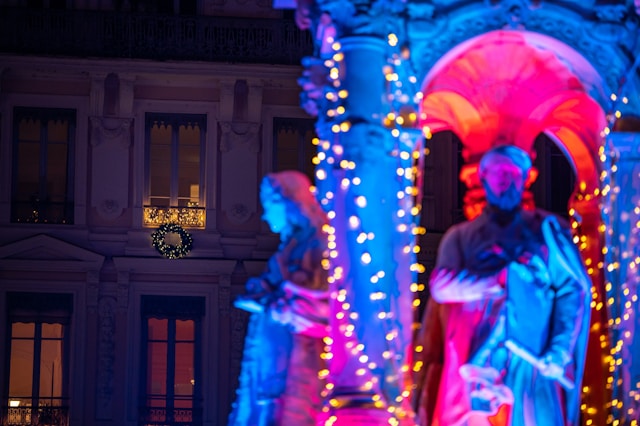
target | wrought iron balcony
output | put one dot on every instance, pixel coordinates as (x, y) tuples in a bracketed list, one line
[(109, 34), (35, 416), (158, 416)]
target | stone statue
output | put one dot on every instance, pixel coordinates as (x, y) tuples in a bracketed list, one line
[(289, 309), (506, 327)]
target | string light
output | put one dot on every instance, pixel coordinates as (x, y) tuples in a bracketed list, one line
[(340, 178), (621, 277)]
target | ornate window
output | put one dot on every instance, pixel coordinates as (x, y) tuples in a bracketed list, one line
[(171, 379), (43, 158), (175, 169), (38, 361), (293, 147)]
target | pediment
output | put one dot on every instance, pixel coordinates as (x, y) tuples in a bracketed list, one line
[(45, 253)]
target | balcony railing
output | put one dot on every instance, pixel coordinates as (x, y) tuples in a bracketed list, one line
[(156, 416), (188, 217), (108, 34), (35, 416)]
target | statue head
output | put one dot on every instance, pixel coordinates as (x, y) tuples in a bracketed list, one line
[(503, 171), (288, 202)]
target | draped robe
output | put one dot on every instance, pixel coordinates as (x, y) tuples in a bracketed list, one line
[(521, 279)]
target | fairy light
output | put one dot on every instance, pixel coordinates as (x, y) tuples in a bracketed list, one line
[(621, 277), (339, 179)]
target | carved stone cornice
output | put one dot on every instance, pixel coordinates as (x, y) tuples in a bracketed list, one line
[(604, 35), (364, 17)]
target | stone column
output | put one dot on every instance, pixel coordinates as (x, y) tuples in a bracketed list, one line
[(365, 181), (621, 215)]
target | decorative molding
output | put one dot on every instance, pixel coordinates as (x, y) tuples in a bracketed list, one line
[(123, 289), (603, 41), (239, 213), (93, 282), (239, 320), (96, 98), (111, 130), (110, 208), (236, 133), (110, 140), (371, 17), (224, 295), (106, 358), (45, 253)]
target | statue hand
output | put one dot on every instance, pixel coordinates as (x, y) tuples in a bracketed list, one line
[(551, 365), (296, 316), (489, 261), (535, 266), (306, 311), (258, 295)]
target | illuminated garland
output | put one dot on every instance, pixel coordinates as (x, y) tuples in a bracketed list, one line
[(339, 177), (169, 250)]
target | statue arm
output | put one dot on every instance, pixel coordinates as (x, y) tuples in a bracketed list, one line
[(304, 304)]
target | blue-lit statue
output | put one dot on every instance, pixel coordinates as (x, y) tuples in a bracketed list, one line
[(279, 382), (505, 331)]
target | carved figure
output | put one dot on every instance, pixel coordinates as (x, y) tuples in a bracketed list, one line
[(289, 308), (505, 330)]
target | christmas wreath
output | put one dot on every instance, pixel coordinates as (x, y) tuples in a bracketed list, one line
[(172, 251)]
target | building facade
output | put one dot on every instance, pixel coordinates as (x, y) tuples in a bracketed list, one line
[(133, 136)]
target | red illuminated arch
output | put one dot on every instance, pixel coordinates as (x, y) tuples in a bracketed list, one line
[(510, 86)]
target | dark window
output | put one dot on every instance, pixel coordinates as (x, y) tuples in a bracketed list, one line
[(58, 4), (175, 153), (35, 4), (171, 379), (293, 147), (42, 4), (556, 180), (188, 7), (37, 350), (442, 190), (43, 158), (461, 187), (171, 7)]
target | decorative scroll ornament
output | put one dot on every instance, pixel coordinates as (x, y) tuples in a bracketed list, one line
[(239, 133), (111, 130), (172, 251)]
